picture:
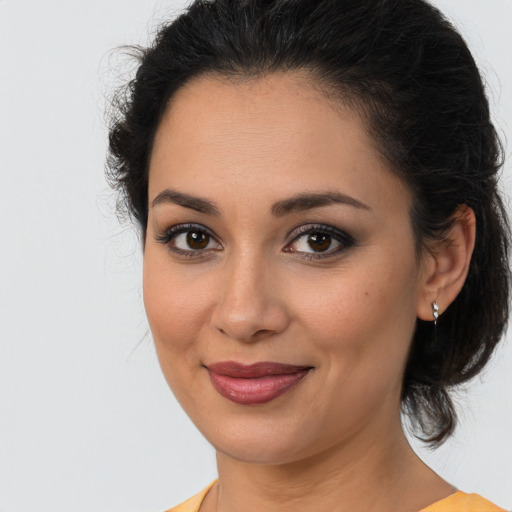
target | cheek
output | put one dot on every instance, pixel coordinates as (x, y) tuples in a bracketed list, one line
[(363, 316), (361, 324), (175, 312)]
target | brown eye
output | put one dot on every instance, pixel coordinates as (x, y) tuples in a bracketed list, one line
[(197, 240), (190, 241), (319, 242)]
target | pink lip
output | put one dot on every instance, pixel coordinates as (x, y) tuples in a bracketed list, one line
[(254, 384)]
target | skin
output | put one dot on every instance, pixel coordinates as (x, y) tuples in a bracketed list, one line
[(334, 441)]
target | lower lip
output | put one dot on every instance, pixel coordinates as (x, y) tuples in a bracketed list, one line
[(255, 391)]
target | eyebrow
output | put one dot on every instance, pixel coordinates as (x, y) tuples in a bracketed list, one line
[(187, 201), (298, 203), (308, 201)]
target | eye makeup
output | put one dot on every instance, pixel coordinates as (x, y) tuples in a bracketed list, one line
[(325, 241), (311, 242), (198, 238)]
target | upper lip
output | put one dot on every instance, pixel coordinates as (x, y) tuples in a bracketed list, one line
[(255, 370)]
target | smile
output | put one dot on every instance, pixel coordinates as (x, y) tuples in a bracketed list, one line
[(255, 384)]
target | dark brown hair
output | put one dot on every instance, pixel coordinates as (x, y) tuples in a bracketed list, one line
[(411, 75)]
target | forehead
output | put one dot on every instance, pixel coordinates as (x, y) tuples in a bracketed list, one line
[(268, 111), (279, 130)]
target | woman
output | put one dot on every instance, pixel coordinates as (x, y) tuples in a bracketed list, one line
[(324, 244)]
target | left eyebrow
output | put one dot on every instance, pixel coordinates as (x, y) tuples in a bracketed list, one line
[(308, 201)]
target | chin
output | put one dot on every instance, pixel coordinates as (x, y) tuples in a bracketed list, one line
[(261, 442), (260, 452)]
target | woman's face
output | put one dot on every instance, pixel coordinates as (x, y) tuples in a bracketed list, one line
[(277, 235)]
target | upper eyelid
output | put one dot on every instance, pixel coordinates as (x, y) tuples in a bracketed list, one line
[(297, 230), (304, 229), (184, 228)]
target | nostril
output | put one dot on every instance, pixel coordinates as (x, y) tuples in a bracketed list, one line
[(261, 332)]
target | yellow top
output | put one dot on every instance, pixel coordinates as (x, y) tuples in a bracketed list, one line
[(457, 502)]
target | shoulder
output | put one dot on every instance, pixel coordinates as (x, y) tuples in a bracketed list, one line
[(463, 502), (193, 503)]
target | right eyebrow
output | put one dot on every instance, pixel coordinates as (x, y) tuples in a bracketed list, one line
[(187, 201)]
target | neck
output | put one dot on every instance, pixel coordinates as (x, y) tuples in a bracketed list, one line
[(378, 472)]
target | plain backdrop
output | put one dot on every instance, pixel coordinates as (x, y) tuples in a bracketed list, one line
[(86, 420)]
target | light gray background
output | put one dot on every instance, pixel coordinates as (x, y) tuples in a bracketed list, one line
[(86, 420)]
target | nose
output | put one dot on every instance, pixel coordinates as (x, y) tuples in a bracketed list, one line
[(250, 306)]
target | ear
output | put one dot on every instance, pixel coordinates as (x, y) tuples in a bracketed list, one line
[(446, 264)]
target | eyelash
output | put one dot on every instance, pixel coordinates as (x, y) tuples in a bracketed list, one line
[(344, 239), (167, 237)]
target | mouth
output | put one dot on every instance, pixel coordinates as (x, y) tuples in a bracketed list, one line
[(254, 384)]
